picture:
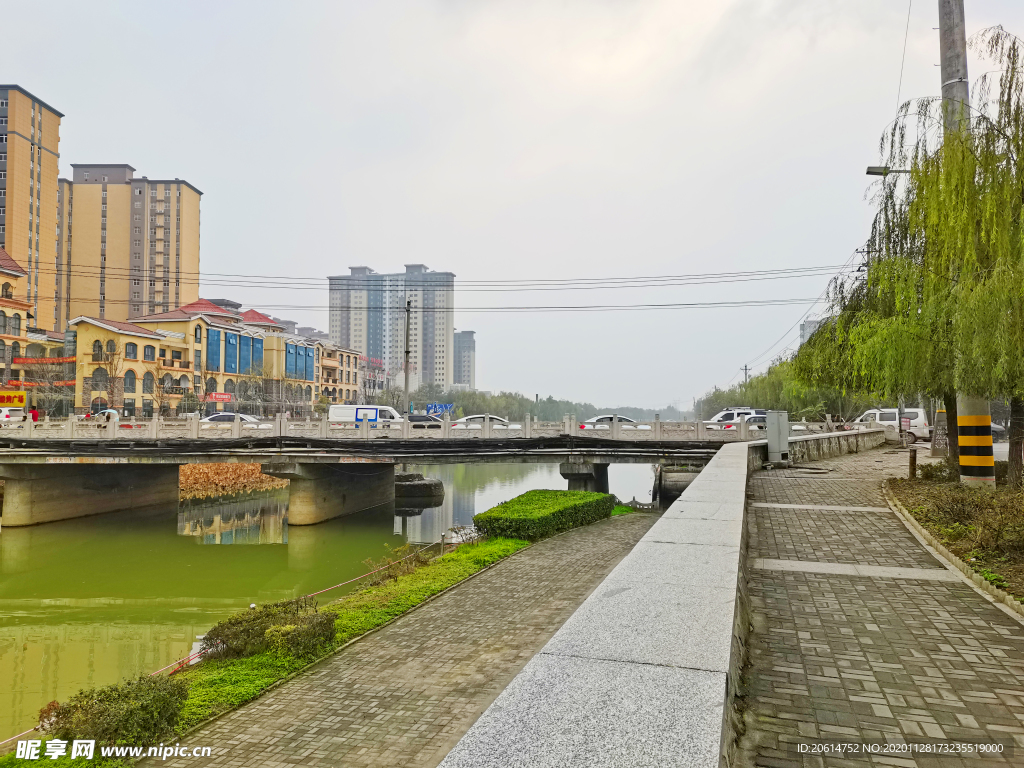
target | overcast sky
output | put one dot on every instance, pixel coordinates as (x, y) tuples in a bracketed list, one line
[(509, 140)]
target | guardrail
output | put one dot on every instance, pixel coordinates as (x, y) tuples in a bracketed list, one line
[(160, 427)]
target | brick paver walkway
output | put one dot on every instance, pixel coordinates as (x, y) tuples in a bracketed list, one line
[(405, 695), (853, 658)]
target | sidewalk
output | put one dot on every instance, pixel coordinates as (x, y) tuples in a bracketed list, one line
[(406, 694), (861, 635)]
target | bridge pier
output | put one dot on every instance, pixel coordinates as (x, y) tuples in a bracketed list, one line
[(43, 493), (319, 492), (585, 477)]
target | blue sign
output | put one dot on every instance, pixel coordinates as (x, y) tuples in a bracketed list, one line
[(440, 408)]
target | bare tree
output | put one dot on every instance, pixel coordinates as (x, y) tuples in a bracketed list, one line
[(103, 370)]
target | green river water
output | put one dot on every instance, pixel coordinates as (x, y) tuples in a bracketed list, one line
[(91, 601)]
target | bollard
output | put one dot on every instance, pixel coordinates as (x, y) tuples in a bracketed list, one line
[(744, 429), (446, 424), (364, 429), (69, 427), (236, 427), (616, 429), (657, 426), (111, 429), (565, 425), (913, 463), (325, 426), (406, 427), (487, 426), (193, 426), (30, 427), (528, 426), (153, 430)]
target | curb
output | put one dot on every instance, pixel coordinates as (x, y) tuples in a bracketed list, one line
[(997, 595)]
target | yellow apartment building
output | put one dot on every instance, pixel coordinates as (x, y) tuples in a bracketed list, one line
[(29, 141), (206, 357), (127, 247)]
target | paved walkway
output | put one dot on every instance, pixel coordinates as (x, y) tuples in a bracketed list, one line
[(405, 695), (846, 649)]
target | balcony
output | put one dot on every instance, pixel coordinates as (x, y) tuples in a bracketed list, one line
[(184, 365)]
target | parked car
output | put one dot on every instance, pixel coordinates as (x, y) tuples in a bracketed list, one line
[(421, 421), (225, 420), (755, 422), (605, 422), (889, 417), (11, 414), (375, 415), (734, 414), (477, 422)]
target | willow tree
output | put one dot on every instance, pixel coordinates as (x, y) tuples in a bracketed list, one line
[(941, 308)]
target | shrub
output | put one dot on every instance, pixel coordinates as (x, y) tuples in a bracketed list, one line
[(939, 472), (245, 634), (536, 514), (305, 640), (139, 711)]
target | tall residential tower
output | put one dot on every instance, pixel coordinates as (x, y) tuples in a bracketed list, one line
[(367, 313), (29, 140), (126, 247), (465, 359)]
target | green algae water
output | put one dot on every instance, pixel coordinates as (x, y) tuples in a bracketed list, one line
[(91, 601)]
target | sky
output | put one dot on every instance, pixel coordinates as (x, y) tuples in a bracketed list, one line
[(511, 140)]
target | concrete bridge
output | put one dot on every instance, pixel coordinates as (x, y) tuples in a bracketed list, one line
[(57, 478)]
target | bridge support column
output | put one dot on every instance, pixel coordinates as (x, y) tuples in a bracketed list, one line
[(43, 493), (585, 477), (319, 492)]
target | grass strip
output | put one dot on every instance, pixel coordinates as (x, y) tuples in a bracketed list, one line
[(217, 685), (622, 509)]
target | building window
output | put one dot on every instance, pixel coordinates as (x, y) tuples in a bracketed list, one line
[(131, 351), (129, 381), (138, 204), (199, 333), (149, 352), (147, 383)]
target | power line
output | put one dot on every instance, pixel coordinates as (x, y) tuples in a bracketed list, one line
[(906, 35)]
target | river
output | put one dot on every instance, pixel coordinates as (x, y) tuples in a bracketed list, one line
[(91, 601)]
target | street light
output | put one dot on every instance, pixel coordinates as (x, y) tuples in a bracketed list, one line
[(884, 170)]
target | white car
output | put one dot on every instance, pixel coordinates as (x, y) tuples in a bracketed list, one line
[(605, 422), (225, 420), (477, 422), (735, 414), (889, 417), (11, 414)]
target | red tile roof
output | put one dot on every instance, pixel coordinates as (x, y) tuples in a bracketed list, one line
[(252, 316), (207, 307), (8, 264)]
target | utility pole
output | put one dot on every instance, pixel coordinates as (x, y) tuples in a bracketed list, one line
[(746, 377), (405, 400), (973, 414)]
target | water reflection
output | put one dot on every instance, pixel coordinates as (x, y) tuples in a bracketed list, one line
[(91, 601)]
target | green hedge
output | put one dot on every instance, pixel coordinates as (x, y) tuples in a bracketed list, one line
[(537, 514)]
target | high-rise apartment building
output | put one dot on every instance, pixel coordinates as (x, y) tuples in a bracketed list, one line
[(29, 140), (126, 247), (464, 352), (367, 313)]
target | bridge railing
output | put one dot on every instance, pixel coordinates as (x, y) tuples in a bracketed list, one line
[(170, 428)]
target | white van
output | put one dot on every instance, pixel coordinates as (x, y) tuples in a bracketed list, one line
[(376, 415), (722, 419), (889, 417)]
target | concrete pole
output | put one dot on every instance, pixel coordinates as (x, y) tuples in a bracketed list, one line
[(974, 417), (408, 314)]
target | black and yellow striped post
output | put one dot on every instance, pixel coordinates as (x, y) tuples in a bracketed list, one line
[(974, 430)]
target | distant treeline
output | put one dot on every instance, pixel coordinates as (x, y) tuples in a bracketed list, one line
[(515, 406)]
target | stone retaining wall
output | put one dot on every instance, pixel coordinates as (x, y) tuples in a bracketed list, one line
[(645, 672)]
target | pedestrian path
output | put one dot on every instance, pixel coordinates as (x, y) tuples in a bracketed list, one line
[(406, 694), (861, 635)]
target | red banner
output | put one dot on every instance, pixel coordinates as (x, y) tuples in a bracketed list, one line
[(19, 383), (219, 397), (41, 360)]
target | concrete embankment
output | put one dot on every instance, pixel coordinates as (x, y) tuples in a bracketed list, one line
[(646, 671)]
